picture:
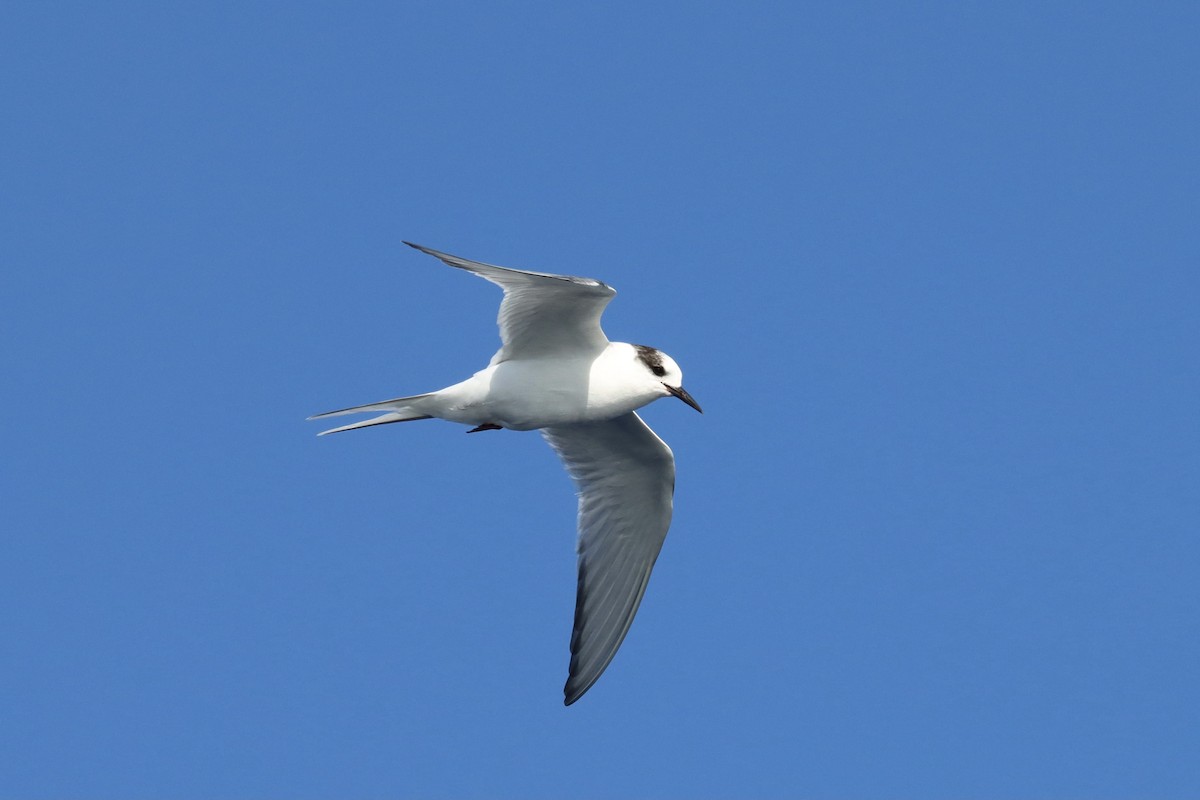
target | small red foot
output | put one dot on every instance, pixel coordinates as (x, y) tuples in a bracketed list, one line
[(487, 426)]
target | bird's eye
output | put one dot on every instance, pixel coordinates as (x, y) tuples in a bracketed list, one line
[(651, 358)]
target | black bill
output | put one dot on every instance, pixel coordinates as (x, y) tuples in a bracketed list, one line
[(683, 395)]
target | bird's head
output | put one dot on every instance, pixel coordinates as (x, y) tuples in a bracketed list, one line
[(663, 370)]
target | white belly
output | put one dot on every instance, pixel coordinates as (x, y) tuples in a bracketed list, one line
[(525, 395)]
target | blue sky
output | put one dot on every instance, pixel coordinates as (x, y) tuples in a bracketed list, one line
[(932, 270)]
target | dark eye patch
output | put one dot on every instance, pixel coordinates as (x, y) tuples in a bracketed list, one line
[(651, 358)]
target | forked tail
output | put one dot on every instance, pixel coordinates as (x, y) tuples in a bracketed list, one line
[(401, 409)]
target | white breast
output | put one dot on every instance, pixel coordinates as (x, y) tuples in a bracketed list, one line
[(528, 394)]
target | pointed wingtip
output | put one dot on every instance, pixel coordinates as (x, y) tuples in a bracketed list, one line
[(429, 251), (576, 688)]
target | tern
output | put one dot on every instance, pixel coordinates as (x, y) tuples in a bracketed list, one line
[(557, 372)]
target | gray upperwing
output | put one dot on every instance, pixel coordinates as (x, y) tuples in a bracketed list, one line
[(542, 315), (626, 480)]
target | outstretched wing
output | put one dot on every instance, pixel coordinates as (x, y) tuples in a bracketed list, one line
[(542, 315), (626, 480)]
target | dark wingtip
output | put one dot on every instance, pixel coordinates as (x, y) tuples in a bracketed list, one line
[(571, 692)]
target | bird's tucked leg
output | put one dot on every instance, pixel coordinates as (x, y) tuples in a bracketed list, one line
[(487, 426)]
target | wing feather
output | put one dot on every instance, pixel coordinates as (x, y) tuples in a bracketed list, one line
[(626, 480), (542, 315)]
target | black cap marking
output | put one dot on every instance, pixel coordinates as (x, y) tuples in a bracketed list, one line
[(653, 359)]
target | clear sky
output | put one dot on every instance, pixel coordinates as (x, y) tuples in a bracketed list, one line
[(932, 269)]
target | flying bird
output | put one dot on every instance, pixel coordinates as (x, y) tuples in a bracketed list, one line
[(557, 372)]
